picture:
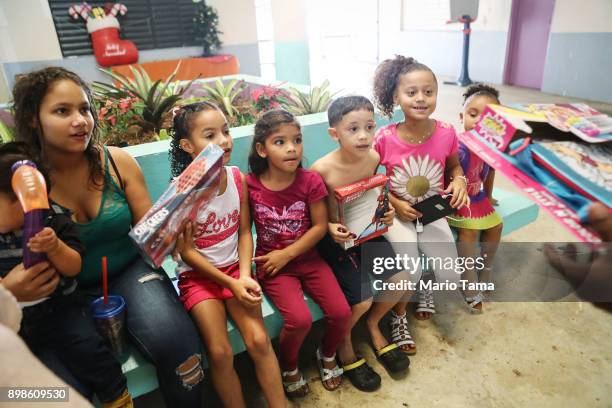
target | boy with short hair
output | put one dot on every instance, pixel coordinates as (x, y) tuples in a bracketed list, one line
[(56, 321), (352, 125)]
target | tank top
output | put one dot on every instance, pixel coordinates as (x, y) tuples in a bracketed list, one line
[(107, 234), (216, 226)]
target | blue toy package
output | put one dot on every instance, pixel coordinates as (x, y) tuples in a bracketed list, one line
[(524, 160)]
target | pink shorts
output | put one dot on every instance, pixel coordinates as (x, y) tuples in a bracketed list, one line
[(195, 288)]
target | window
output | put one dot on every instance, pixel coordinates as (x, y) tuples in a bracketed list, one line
[(148, 23), (265, 38), (418, 15)]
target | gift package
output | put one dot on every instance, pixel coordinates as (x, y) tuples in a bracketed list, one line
[(155, 234), (560, 155), (361, 207)]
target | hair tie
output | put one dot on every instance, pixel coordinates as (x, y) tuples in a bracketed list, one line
[(176, 110)]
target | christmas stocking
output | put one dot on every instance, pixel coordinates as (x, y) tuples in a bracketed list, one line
[(103, 26)]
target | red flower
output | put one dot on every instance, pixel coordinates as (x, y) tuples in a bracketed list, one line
[(102, 112), (112, 120), (270, 91), (256, 93), (124, 105)]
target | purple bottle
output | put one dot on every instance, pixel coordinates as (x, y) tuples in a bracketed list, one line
[(31, 190)]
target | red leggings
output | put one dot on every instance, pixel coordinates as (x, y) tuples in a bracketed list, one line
[(285, 290)]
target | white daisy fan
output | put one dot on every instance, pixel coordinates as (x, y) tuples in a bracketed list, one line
[(419, 179)]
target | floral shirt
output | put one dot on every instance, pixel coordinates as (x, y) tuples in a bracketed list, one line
[(416, 171), (282, 217)]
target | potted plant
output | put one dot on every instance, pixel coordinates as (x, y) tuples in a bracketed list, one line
[(205, 26), (139, 110)]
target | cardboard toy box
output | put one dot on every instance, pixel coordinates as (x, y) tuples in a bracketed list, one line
[(572, 123), (499, 125), (361, 206), (155, 234)]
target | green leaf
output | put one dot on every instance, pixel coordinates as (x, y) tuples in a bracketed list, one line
[(151, 96), (6, 133), (138, 80)]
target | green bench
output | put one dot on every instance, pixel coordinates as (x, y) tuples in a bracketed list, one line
[(516, 211)]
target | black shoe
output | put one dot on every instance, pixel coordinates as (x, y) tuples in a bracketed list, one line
[(362, 376), (394, 360)]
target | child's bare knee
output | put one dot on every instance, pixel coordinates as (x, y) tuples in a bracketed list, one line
[(220, 355), (258, 343)]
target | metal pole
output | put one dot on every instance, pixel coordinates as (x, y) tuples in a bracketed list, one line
[(464, 76)]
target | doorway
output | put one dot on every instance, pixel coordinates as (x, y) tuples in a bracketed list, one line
[(528, 42)]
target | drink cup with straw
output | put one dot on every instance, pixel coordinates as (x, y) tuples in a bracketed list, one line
[(108, 312)]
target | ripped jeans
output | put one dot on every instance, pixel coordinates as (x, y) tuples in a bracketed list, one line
[(159, 327)]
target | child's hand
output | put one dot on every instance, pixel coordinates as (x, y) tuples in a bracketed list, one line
[(273, 261), (45, 241), (493, 201), (405, 212), (389, 215), (184, 243), (247, 291), (339, 232), (458, 189)]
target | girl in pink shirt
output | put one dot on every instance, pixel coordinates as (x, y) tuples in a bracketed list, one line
[(290, 214), (421, 158), (214, 268)]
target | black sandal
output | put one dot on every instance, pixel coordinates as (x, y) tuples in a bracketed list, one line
[(362, 376), (394, 360)]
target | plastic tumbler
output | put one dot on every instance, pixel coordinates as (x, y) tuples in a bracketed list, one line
[(110, 321)]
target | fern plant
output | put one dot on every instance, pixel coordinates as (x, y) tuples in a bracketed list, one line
[(317, 100)]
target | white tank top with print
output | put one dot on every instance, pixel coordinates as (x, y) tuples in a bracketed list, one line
[(215, 231)]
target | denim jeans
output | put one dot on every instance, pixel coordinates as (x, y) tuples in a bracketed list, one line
[(159, 327), (61, 333)]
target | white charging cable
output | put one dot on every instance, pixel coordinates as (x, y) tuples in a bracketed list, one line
[(454, 219)]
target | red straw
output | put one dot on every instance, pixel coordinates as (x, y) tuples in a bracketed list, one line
[(105, 280)]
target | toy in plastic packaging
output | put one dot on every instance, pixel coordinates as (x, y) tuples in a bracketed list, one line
[(361, 207), (500, 125), (155, 234)]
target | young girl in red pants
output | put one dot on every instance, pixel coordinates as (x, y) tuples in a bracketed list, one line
[(288, 207)]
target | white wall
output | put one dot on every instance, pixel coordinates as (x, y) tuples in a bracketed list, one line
[(419, 15), (27, 31), (589, 16), (579, 55), (289, 19), (236, 21), (439, 45)]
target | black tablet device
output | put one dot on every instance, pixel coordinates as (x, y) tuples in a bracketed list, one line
[(433, 208)]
